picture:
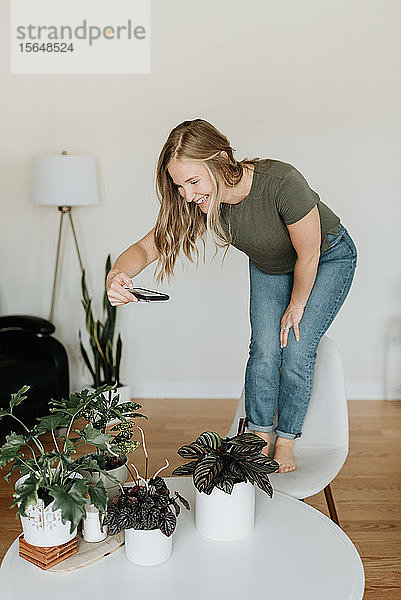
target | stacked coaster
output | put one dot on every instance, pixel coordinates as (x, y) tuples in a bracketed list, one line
[(47, 557)]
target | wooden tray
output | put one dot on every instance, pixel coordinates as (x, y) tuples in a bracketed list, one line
[(89, 552)]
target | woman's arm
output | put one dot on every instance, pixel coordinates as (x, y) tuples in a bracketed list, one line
[(129, 264), (306, 238)]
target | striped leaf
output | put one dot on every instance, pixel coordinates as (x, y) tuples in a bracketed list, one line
[(250, 439), (209, 439), (225, 484), (260, 464), (207, 470), (187, 469), (263, 482), (243, 451), (193, 450)]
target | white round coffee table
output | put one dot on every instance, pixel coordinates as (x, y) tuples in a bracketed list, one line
[(294, 552)]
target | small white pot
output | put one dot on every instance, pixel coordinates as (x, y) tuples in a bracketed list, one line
[(91, 526), (147, 547), (43, 526), (226, 517)]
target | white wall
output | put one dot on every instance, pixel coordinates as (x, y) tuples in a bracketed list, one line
[(310, 82)]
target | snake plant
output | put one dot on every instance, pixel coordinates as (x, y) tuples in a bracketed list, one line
[(105, 367)]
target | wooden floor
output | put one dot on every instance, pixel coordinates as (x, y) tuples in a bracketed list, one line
[(367, 491)]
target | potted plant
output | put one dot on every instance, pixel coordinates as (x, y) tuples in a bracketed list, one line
[(50, 495), (224, 472), (99, 408), (144, 511), (106, 357)]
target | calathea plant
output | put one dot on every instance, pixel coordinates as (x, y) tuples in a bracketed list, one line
[(99, 408), (223, 462), (51, 475), (146, 505)]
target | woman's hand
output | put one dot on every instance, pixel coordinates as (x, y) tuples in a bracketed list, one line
[(116, 292), (291, 318)]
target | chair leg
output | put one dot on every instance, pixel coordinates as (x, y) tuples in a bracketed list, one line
[(330, 505)]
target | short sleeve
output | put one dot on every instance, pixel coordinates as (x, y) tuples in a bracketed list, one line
[(295, 199)]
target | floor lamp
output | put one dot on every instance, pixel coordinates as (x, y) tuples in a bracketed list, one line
[(64, 181)]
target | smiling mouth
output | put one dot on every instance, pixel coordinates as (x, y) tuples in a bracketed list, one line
[(202, 200)]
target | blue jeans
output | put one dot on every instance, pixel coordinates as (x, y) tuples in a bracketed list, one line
[(283, 377)]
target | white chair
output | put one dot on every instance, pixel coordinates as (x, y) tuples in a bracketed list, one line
[(321, 450)]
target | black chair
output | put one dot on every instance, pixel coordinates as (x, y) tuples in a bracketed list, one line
[(29, 355)]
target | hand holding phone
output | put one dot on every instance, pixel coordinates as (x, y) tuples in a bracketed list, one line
[(148, 295)]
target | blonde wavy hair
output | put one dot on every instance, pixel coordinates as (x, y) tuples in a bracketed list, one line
[(180, 224)]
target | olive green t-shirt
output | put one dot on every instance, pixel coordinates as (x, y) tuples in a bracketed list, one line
[(279, 196)]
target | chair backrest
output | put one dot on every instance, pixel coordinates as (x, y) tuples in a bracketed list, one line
[(326, 422)]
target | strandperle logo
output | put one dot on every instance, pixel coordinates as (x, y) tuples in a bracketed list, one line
[(80, 36), (84, 31)]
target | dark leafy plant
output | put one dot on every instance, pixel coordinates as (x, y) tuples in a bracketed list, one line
[(51, 474), (221, 463), (146, 506), (99, 408), (105, 368)]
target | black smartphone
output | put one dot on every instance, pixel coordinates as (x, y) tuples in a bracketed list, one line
[(148, 295)]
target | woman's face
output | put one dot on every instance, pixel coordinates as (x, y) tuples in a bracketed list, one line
[(192, 181)]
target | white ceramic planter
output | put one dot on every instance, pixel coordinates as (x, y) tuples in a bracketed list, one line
[(226, 517), (147, 547), (43, 526), (112, 489), (91, 529)]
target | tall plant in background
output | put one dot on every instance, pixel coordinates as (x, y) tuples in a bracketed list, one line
[(105, 368)]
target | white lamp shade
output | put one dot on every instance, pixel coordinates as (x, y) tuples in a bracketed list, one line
[(64, 180)]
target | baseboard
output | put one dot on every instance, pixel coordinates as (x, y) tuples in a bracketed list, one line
[(232, 389)]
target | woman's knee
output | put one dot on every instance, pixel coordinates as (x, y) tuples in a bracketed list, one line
[(300, 354), (265, 351)]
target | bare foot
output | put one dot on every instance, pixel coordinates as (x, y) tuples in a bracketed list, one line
[(283, 455), (266, 437)]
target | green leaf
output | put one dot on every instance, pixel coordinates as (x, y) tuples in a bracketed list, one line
[(86, 357), (71, 503), (10, 449), (3, 413), (51, 422), (8, 475), (98, 496), (209, 439), (18, 397), (119, 347), (207, 470), (27, 494), (96, 438), (91, 462)]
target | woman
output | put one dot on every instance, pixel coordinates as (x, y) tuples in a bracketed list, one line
[(301, 262)]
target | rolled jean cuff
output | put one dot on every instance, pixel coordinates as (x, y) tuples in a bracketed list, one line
[(287, 436), (253, 427)]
